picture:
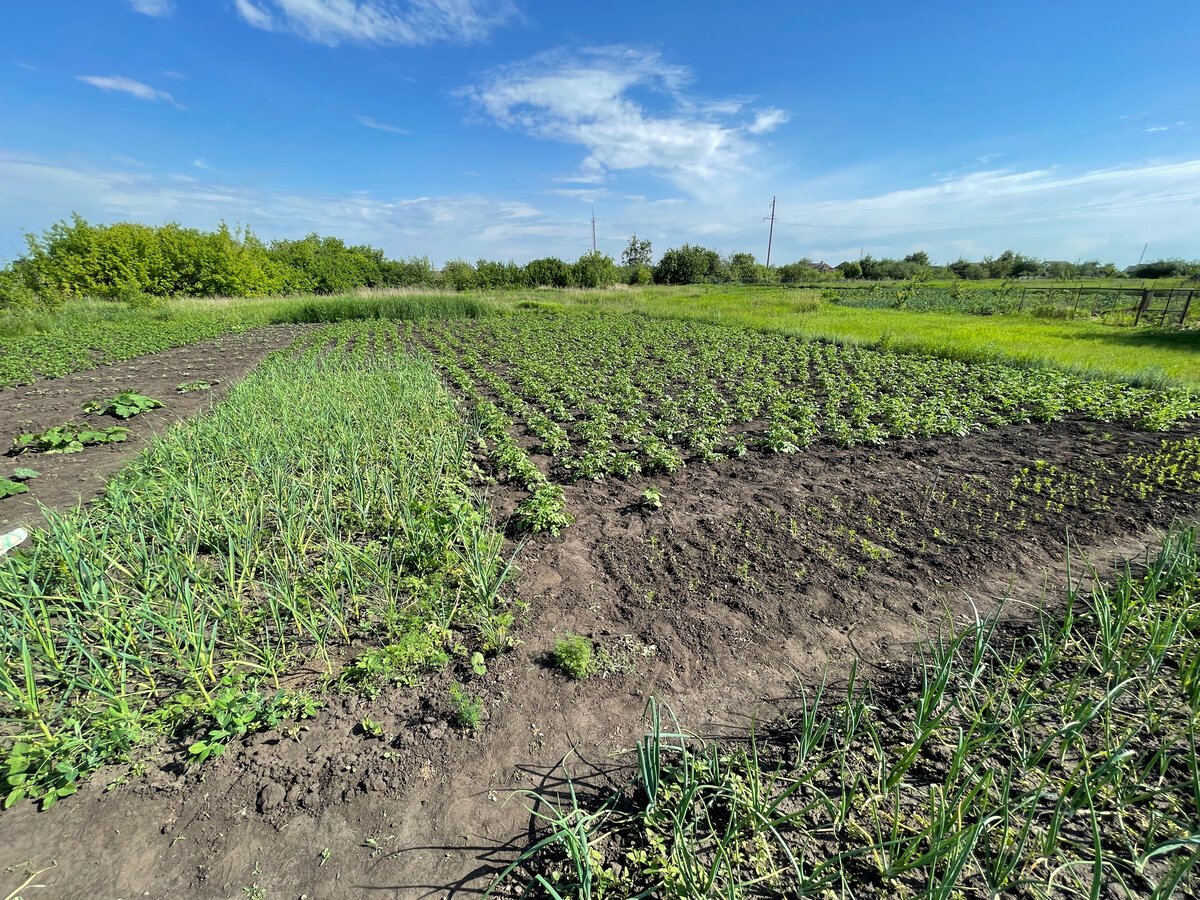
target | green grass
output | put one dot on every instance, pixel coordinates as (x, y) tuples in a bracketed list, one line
[(227, 553), (84, 334), (1143, 356), (1057, 760)]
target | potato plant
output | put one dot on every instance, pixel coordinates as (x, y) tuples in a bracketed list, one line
[(605, 395)]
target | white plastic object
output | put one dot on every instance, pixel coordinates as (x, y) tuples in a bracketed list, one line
[(12, 539)]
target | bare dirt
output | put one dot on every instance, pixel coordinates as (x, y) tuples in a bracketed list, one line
[(69, 478), (754, 573)]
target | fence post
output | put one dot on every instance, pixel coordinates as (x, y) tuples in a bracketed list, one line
[(1147, 294)]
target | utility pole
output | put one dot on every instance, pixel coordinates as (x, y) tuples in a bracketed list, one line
[(771, 233), (593, 230), (1143, 256)]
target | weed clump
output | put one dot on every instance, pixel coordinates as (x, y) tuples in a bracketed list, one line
[(573, 653)]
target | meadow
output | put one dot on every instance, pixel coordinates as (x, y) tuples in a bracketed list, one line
[(435, 522)]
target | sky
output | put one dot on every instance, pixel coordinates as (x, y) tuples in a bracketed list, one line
[(497, 128)]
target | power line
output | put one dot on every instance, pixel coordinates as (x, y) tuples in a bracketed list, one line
[(771, 233)]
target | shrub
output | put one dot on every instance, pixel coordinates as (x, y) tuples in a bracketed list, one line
[(688, 265), (549, 272), (594, 270)]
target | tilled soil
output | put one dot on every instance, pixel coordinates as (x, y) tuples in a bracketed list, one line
[(69, 478), (755, 572)]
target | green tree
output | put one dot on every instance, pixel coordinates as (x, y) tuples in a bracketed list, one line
[(595, 270), (549, 272), (688, 265), (638, 253)]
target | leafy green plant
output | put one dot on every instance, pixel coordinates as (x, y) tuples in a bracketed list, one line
[(235, 712), (69, 438), (466, 708), (16, 485), (573, 653), (185, 387), (124, 405), (545, 510), (478, 664), (650, 499), (371, 728)]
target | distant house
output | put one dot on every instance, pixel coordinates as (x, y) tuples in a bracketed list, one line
[(824, 268)]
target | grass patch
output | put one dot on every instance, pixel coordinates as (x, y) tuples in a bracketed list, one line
[(1059, 760)]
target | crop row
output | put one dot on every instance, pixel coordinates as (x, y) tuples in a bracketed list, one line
[(230, 551), (618, 395)]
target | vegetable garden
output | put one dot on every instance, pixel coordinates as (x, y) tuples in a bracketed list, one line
[(414, 562)]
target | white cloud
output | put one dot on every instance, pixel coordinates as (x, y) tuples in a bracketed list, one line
[(767, 120), (586, 99), (128, 86), (1051, 213), (411, 22), (380, 126), (156, 8), (1158, 128), (254, 14), (35, 191), (202, 163)]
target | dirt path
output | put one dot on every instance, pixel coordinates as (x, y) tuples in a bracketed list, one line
[(754, 572), (67, 479)]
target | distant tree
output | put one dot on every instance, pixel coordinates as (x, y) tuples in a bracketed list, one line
[(688, 265), (595, 270), (920, 258), (744, 268), (460, 275), (638, 253), (850, 269), (549, 272)]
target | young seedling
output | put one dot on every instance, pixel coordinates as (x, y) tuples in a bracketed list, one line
[(185, 387), (650, 499), (124, 405), (466, 708), (69, 438), (573, 654), (16, 485)]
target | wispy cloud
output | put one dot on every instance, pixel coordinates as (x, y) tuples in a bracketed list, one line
[(202, 163), (381, 126), (411, 22), (1155, 128), (127, 86), (766, 120), (586, 98), (156, 8)]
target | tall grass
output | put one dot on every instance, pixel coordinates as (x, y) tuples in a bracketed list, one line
[(1057, 761), (325, 502)]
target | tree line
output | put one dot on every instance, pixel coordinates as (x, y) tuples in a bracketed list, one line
[(136, 263)]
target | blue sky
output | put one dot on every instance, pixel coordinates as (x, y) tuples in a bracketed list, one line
[(490, 128)]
